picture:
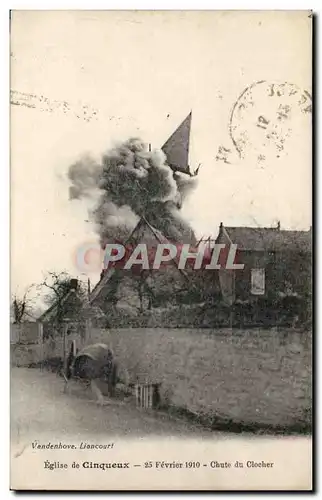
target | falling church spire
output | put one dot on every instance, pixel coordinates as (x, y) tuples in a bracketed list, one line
[(176, 148)]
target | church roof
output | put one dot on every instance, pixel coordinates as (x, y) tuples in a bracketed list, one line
[(142, 233)]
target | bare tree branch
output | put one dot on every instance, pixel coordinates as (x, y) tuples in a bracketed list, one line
[(22, 306), (58, 285)]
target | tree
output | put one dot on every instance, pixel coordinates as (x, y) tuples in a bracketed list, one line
[(58, 285), (144, 291), (21, 306)]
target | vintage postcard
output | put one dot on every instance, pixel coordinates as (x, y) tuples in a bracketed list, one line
[(161, 247)]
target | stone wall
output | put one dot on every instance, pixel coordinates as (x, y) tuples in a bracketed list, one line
[(255, 376), (250, 376), (31, 354), (25, 333), (25, 355)]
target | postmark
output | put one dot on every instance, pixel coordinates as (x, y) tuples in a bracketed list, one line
[(265, 117)]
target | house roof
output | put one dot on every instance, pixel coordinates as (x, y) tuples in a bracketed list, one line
[(51, 311), (268, 239)]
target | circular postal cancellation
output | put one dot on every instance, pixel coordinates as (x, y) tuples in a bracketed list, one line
[(266, 116)]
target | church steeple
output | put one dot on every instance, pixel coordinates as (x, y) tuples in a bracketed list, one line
[(176, 148)]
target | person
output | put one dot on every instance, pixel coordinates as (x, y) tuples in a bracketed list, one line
[(109, 373), (69, 361), (68, 371)]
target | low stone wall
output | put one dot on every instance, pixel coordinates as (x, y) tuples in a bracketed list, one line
[(30, 354), (25, 354), (256, 377), (252, 376), (25, 333)]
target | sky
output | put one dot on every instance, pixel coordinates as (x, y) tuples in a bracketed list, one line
[(144, 72)]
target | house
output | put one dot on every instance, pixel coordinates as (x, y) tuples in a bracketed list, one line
[(64, 315), (277, 268), (274, 260)]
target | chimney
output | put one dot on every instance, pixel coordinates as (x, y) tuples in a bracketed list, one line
[(73, 284), (278, 225), (221, 227)]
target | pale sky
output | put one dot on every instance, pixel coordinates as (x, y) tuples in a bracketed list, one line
[(137, 68)]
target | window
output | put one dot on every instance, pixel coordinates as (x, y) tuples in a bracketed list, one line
[(258, 281)]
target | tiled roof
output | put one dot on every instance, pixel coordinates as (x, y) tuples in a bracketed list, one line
[(67, 302), (269, 239), (143, 232)]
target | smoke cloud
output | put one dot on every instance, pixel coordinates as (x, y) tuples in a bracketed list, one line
[(128, 183), (84, 175)]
